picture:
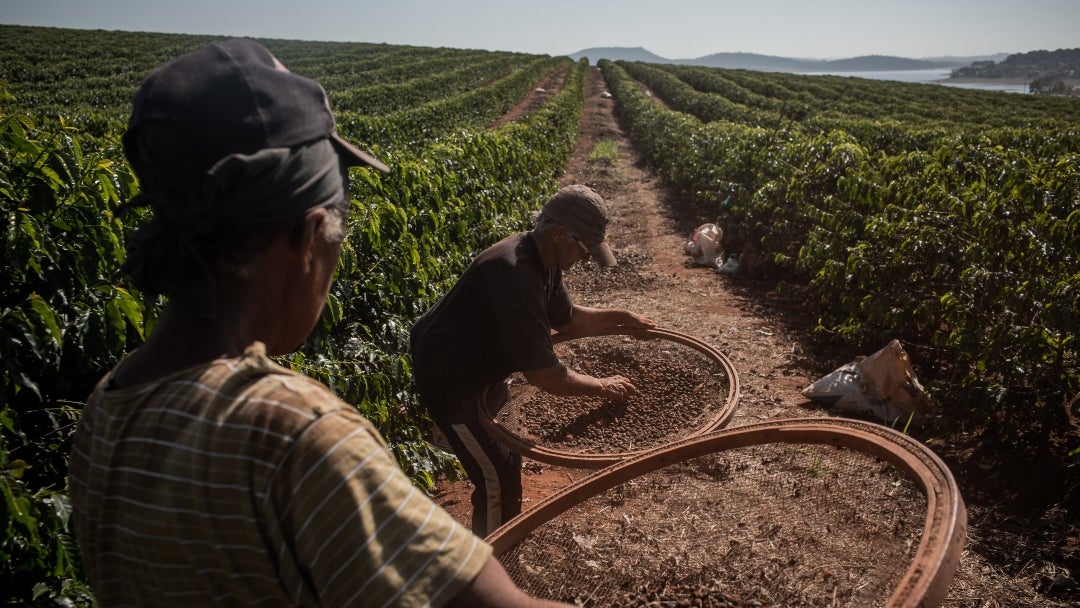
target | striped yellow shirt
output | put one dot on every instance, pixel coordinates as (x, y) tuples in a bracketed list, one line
[(239, 482)]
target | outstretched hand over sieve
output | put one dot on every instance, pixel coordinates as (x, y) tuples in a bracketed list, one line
[(618, 388)]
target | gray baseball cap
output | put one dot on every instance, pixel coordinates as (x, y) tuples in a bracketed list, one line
[(582, 211)]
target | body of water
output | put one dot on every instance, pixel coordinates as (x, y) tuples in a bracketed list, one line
[(927, 77)]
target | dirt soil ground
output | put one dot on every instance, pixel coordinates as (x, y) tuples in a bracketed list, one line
[(1023, 542)]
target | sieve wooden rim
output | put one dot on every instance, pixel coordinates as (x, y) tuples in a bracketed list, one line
[(926, 580), (530, 449)]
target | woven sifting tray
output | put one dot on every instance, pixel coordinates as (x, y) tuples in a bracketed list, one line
[(801, 512), (685, 388)]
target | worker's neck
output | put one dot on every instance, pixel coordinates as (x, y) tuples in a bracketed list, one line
[(546, 245)]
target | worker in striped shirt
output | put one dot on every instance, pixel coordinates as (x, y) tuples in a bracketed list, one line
[(203, 473)]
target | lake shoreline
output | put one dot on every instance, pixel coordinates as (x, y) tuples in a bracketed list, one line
[(1001, 81)]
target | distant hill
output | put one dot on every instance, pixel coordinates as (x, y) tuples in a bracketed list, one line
[(752, 61), (770, 63), (865, 63), (1063, 64), (961, 60), (619, 53), (883, 62)]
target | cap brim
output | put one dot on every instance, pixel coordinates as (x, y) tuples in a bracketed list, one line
[(355, 157), (602, 254)]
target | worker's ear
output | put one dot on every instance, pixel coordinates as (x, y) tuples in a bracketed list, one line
[(310, 235)]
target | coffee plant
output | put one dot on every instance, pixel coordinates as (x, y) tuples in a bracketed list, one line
[(944, 217), (68, 315)]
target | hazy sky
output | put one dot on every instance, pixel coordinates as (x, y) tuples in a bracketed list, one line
[(671, 28)]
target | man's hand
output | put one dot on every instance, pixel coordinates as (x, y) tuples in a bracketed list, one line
[(625, 318), (617, 388)]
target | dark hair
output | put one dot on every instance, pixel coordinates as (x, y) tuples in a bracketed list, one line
[(166, 258)]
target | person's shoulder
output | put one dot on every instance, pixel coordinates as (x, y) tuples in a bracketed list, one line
[(506, 246), (268, 382), (517, 251)]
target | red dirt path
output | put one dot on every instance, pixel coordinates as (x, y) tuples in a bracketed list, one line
[(1024, 537)]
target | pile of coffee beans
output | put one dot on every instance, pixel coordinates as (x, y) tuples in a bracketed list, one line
[(679, 391)]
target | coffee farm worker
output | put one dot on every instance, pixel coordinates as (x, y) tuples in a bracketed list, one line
[(498, 319), (202, 473)]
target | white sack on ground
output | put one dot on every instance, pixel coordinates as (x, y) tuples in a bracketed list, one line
[(881, 386), (704, 245)]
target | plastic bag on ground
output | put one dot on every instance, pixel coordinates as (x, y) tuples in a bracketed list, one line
[(704, 245), (745, 264), (881, 386)]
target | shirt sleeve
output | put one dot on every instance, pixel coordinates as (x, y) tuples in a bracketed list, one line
[(356, 531)]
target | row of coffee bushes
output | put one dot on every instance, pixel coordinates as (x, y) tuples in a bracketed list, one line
[(412, 233), (883, 113), (376, 98), (67, 314), (90, 76), (65, 317), (880, 99), (963, 246), (419, 125)]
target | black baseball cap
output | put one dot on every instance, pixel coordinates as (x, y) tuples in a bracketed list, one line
[(229, 97)]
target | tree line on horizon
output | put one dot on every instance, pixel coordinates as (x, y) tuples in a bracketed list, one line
[(1062, 64)]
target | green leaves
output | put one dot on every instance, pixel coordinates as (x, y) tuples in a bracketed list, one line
[(39, 561), (946, 218), (64, 320), (411, 234), (67, 316)]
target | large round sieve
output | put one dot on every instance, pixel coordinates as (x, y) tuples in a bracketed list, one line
[(685, 388), (799, 512)]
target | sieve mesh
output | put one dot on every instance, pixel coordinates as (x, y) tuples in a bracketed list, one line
[(685, 388), (760, 522)]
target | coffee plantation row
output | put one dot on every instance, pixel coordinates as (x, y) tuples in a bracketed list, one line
[(944, 217), (68, 315), (947, 218)]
